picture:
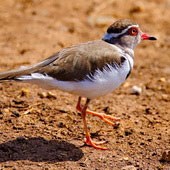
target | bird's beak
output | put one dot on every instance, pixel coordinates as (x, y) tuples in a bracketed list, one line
[(145, 36)]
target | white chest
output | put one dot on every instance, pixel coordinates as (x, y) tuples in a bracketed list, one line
[(103, 82)]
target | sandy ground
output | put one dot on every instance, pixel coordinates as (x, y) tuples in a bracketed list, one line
[(43, 130)]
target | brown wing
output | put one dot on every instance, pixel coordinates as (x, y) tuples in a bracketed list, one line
[(73, 63), (9, 75), (76, 62)]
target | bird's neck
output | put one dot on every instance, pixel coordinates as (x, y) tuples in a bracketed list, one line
[(127, 50), (117, 43)]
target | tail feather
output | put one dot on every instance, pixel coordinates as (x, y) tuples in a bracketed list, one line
[(13, 74)]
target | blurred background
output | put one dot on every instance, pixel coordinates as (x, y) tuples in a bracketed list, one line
[(32, 30), (42, 27)]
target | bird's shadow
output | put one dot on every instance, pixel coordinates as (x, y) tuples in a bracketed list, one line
[(39, 150)]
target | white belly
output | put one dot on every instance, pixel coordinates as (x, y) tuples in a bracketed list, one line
[(102, 83)]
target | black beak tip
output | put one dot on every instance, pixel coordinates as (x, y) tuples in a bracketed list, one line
[(152, 38)]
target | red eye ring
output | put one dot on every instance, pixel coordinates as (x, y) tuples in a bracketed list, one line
[(133, 31)]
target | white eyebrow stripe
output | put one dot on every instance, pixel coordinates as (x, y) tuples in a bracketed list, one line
[(108, 36)]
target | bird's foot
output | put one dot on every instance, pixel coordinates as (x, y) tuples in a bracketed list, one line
[(102, 116), (94, 144)]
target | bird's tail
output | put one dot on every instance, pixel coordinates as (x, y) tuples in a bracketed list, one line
[(15, 74)]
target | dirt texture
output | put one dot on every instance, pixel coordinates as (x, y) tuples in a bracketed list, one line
[(41, 129)]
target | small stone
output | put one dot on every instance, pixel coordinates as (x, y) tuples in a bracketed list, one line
[(124, 158), (61, 125), (166, 156), (148, 111), (165, 97), (126, 84), (42, 94), (149, 139), (24, 92), (142, 133), (136, 90), (130, 143), (162, 79), (106, 109), (51, 95), (6, 110), (129, 167), (128, 132)]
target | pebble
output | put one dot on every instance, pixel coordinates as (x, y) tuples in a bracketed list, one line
[(51, 95), (128, 132), (42, 94), (126, 84), (6, 110), (129, 167), (136, 90), (162, 79), (124, 158), (47, 95), (166, 156), (165, 97), (24, 92)]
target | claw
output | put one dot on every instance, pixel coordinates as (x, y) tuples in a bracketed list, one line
[(94, 144)]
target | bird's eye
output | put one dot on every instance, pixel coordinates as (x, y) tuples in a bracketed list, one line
[(133, 31)]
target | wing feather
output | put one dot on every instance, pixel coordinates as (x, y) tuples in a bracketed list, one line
[(77, 62), (73, 63)]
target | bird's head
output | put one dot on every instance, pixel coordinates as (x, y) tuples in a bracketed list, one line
[(126, 33)]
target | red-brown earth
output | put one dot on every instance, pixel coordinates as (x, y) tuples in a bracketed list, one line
[(43, 130)]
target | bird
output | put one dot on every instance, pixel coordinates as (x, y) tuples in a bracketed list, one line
[(88, 70)]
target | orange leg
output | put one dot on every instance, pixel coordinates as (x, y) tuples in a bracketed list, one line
[(102, 116), (88, 140)]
